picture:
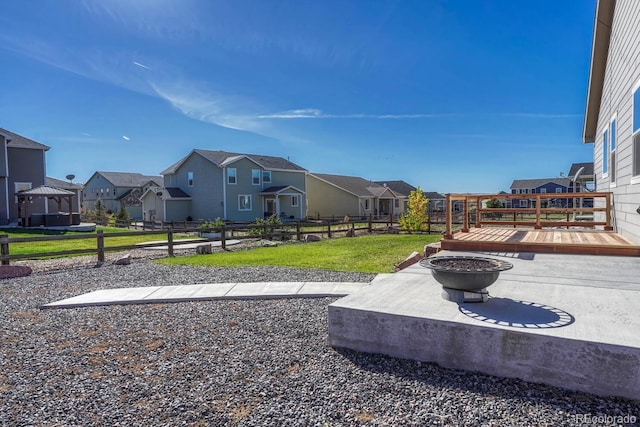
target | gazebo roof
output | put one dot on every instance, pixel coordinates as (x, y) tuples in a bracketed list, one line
[(45, 190)]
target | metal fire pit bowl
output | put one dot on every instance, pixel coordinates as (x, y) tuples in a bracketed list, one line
[(470, 275)]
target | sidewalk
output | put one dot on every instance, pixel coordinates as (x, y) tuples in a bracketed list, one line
[(210, 291)]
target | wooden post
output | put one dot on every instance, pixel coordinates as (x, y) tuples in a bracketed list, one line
[(538, 226), (329, 229), (607, 201), (370, 226), (100, 245), (448, 213), (223, 237), (298, 228), (465, 218), (170, 241), (478, 209), (4, 248)]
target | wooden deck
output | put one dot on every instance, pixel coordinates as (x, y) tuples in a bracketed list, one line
[(585, 242)]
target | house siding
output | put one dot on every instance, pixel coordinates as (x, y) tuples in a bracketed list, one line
[(326, 200), (4, 184), (622, 73), (26, 165), (206, 192), (244, 186)]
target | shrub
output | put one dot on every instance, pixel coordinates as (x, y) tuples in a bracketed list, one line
[(416, 216)]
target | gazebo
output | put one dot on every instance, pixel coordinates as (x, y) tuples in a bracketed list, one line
[(57, 194)]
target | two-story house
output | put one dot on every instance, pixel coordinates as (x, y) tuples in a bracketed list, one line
[(543, 186), (612, 114), (22, 167), (207, 184), (337, 196), (116, 189)]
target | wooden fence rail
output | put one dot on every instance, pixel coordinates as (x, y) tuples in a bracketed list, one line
[(285, 231)]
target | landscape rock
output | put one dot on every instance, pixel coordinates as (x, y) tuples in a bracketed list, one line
[(268, 243), (312, 238), (8, 271), (350, 233), (410, 260), (203, 249), (431, 248), (123, 260)]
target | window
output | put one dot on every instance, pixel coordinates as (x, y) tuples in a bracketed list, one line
[(605, 152), (190, 179), (635, 130), (266, 177), (366, 204), (612, 153), (255, 176), (232, 177), (396, 203), (543, 190), (244, 202), (558, 189), (524, 203), (21, 186), (295, 200)]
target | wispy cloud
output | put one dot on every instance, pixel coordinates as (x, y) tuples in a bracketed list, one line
[(126, 138), (312, 113), (141, 65)]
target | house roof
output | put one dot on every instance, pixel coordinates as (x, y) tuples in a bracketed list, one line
[(575, 167), (58, 183), (398, 187), (222, 158), (535, 183), (599, 54), (19, 141), (432, 195), (353, 184), (128, 179), (167, 193), (45, 190), (279, 189)]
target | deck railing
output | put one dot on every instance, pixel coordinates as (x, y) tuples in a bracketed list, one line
[(572, 214)]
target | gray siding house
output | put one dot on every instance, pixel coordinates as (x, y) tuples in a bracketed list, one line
[(207, 184), (77, 189), (612, 115), (116, 189), (22, 167)]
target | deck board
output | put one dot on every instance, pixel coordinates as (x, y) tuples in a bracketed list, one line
[(570, 241)]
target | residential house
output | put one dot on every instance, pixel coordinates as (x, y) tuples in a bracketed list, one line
[(542, 185), (76, 188), (116, 189), (338, 196), (583, 173), (206, 184), (612, 114), (22, 167), (436, 200)]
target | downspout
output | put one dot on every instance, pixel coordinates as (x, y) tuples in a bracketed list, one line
[(6, 177), (224, 192)]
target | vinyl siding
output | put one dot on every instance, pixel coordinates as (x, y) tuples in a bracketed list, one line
[(622, 73), (326, 200), (26, 165), (206, 192)]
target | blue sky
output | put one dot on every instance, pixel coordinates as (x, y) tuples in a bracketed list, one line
[(449, 95)]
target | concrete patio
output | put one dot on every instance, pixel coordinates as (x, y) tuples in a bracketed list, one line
[(565, 320)]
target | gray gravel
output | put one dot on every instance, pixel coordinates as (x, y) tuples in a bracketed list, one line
[(254, 363)]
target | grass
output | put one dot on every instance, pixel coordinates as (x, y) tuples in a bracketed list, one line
[(365, 254)]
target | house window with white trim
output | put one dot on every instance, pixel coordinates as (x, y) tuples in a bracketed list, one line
[(295, 201), (255, 176), (635, 129), (366, 204), (612, 152), (266, 177), (232, 176), (190, 179), (244, 202), (605, 152), (524, 203), (559, 190), (543, 191), (396, 203)]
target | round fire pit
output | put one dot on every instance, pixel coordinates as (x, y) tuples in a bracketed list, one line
[(469, 275)]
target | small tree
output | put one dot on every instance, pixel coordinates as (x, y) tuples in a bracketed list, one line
[(416, 216), (494, 204), (101, 215), (123, 215)]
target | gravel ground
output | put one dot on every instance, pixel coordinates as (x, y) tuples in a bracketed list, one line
[(253, 363)]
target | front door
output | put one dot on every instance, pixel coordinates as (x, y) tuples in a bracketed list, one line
[(270, 207)]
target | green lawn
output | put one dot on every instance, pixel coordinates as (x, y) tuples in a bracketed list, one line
[(23, 248), (366, 254)]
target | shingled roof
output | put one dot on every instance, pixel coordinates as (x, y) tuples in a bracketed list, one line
[(535, 183), (129, 179), (19, 141), (221, 158), (398, 187), (353, 184)]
